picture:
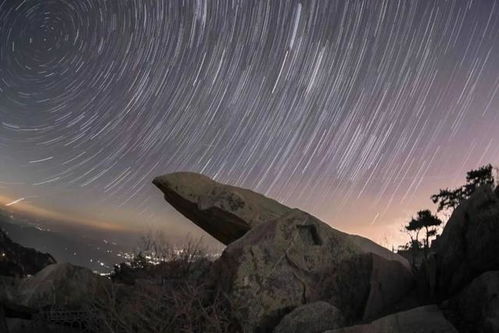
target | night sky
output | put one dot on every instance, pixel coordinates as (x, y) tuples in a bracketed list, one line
[(356, 111)]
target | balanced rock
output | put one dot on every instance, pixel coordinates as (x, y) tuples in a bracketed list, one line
[(314, 317), (279, 258), (297, 259), (469, 243), (418, 320), (61, 284), (225, 212)]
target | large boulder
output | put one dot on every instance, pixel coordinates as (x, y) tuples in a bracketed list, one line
[(225, 212), (314, 317), (424, 319), (469, 243), (297, 259), (476, 308), (280, 258), (62, 285), (20, 261)]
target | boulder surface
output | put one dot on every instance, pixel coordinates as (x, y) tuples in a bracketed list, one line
[(424, 319), (469, 243), (225, 212), (476, 308), (314, 317), (297, 259)]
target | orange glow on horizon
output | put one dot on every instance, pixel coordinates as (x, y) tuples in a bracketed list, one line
[(25, 207)]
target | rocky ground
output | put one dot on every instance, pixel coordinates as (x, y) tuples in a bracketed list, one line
[(283, 270)]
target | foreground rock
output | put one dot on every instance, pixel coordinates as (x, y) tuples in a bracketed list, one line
[(311, 318), (422, 319), (36, 303), (469, 243), (62, 285), (19, 261), (476, 308), (297, 259), (225, 212)]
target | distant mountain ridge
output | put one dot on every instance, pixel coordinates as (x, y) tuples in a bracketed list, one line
[(19, 261), (75, 248)]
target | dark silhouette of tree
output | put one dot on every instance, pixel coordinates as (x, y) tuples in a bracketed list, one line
[(450, 199), (426, 221), (446, 199), (413, 228), (478, 177), (429, 222)]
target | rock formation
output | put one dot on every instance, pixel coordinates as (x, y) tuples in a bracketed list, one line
[(63, 285), (279, 258), (283, 271), (469, 245), (225, 212), (476, 308)]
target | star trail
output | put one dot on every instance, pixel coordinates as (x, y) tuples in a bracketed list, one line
[(356, 111)]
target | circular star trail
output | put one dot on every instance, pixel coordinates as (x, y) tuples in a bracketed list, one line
[(356, 111)]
